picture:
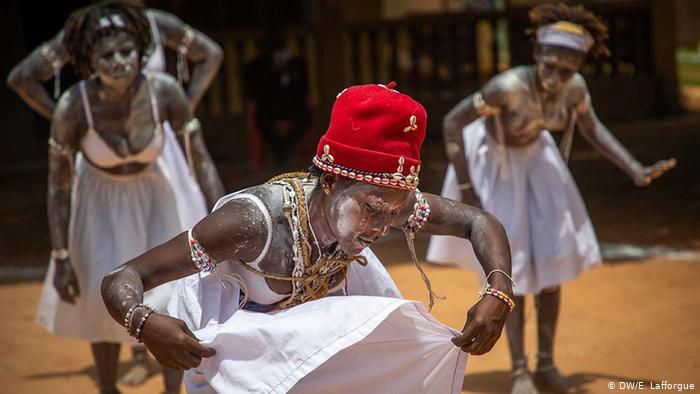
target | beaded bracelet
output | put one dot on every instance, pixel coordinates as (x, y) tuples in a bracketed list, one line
[(488, 290), (420, 215), (142, 323), (130, 312), (198, 255)]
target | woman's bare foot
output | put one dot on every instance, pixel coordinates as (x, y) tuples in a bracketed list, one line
[(138, 370)]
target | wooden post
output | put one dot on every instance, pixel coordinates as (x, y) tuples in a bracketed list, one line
[(663, 19)]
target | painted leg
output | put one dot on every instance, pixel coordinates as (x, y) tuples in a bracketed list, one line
[(106, 357), (515, 327), (547, 376), (138, 369), (172, 379)]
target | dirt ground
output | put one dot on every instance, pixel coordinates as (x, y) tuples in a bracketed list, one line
[(623, 322)]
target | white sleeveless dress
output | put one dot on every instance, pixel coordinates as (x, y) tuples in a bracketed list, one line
[(114, 219), (370, 341), (550, 233)]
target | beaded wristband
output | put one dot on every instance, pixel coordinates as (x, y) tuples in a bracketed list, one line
[(142, 323), (130, 312), (420, 215), (498, 294), (199, 256)]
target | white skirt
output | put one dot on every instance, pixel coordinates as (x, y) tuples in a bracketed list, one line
[(114, 219), (371, 341), (550, 233)]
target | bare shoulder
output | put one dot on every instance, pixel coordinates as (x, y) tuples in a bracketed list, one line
[(163, 81), (167, 88), (506, 85), (69, 104), (69, 116), (577, 90), (239, 225)]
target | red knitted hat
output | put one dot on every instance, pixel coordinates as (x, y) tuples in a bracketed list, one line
[(374, 137)]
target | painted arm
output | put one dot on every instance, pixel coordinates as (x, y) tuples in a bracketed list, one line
[(482, 103), (183, 122), (27, 77), (605, 142), (486, 318), (229, 233), (204, 52), (62, 147)]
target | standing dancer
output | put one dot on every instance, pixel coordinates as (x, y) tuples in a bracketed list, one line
[(166, 29), (504, 160), (118, 181), (191, 45), (287, 244)]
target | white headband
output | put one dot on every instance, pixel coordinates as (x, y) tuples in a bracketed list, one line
[(111, 20), (565, 34)]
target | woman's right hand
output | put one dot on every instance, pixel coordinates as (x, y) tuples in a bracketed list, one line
[(65, 281), (172, 343)]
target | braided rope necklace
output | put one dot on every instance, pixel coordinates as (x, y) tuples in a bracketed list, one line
[(310, 281)]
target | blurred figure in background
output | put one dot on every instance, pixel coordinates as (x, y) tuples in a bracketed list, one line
[(504, 159), (191, 45), (46, 61), (276, 88), (119, 182)]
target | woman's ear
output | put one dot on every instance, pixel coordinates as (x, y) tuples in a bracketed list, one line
[(329, 183)]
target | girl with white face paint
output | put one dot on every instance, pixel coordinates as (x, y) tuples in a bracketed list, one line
[(167, 30), (119, 182), (253, 313), (504, 160)]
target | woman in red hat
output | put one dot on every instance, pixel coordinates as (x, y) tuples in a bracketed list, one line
[(252, 311), (504, 159)]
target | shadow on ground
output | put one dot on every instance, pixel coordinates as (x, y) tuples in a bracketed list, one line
[(583, 382)]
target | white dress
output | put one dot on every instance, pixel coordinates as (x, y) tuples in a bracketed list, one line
[(369, 341), (114, 219), (550, 233)]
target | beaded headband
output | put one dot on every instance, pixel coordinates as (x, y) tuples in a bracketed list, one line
[(565, 34), (396, 180)]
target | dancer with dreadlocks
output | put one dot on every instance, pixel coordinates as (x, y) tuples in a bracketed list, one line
[(504, 160), (191, 45), (260, 266), (167, 30), (118, 183)]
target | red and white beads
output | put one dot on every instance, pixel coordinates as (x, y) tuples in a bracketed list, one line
[(420, 215), (498, 294), (199, 256)]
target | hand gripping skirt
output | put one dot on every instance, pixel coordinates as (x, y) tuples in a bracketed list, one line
[(368, 342), (551, 236), (114, 219)]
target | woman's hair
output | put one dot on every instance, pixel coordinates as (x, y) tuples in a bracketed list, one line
[(544, 14), (82, 31), (315, 171)]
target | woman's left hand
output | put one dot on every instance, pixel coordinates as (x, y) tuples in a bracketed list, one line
[(484, 325), (645, 175)]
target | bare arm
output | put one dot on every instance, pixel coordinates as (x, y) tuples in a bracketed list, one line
[(448, 217), (204, 52), (229, 233), (605, 142), (63, 145), (486, 318), (465, 112), (181, 118), (27, 77)]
